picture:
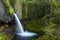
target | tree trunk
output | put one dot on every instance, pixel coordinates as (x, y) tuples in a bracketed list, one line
[(51, 8), (45, 7)]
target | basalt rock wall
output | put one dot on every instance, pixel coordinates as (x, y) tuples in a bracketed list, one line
[(4, 13)]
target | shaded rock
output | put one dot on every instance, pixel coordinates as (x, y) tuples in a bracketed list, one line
[(4, 13)]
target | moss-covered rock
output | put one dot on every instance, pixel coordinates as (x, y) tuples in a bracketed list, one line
[(5, 12), (8, 4)]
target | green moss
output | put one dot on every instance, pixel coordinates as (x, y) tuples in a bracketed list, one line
[(45, 37), (50, 26), (33, 25), (11, 10), (1, 28), (4, 36)]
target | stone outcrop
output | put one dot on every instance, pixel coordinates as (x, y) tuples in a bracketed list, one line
[(4, 13)]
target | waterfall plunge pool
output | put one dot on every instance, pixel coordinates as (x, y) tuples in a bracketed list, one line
[(27, 34), (20, 29)]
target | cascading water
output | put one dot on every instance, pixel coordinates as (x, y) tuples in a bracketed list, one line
[(20, 28)]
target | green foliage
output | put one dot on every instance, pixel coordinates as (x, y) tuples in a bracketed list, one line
[(40, 10), (46, 37), (3, 36), (32, 25), (32, 10), (50, 26), (38, 15), (2, 27)]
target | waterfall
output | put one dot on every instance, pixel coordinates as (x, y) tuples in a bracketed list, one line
[(19, 25), (20, 28)]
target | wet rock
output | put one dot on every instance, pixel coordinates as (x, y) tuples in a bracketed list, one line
[(4, 13)]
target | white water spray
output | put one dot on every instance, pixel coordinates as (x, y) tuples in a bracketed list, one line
[(20, 28)]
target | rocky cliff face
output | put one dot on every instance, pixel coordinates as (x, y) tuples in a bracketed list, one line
[(4, 13)]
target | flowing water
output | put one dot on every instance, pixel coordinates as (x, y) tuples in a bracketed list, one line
[(20, 28), (19, 25)]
